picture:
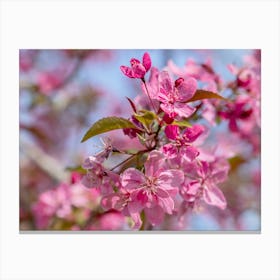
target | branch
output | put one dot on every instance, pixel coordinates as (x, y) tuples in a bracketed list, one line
[(45, 162)]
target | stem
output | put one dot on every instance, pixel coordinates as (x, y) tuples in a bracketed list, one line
[(133, 155), (122, 162), (143, 80)]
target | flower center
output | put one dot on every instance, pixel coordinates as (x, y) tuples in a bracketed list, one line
[(173, 96), (150, 185)]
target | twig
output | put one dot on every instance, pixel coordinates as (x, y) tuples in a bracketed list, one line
[(47, 163)]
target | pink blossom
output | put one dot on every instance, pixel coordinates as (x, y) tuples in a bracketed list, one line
[(49, 81), (202, 183), (111, 220), (181, 145), (119, 201), (58, 203), (200, 71), (138, 69), (99, 177), (152, 191), (173, 96), (95, 172), (237, 112)]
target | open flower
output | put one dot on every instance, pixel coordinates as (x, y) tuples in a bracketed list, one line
[(208, 176), (99, 177), (181, 145), (154, 190), (138, 69), (173, 97)]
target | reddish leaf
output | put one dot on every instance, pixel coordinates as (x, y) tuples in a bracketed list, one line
[(205, 94)]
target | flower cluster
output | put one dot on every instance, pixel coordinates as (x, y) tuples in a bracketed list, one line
[(182, 152), (171, 169)]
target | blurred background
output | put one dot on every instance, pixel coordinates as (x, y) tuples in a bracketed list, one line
[(63, 92)]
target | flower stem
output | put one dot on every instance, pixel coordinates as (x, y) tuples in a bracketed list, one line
[(143, 80), (122, 162)]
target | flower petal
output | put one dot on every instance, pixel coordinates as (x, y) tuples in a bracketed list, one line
[(132, 178), (214, 196), (154, 215), (165, 82), (127, 71), (155, 163), (147, 61), (220, 175), (135, 207), (187, 89), (91, 162), (193, 187), (139, 71), (167, 204), (112, 201), (170, 150), (192, 133), (190, 152), (172, 131), (182, 109), (162, 193), (170, 179), (169, 109)]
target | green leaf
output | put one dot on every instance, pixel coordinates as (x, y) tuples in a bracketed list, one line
[(205, 94), (78, 169), (107, 124), (145, 117), (182, 123)]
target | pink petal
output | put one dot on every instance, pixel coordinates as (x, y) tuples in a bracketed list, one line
[(167, 204), (162, 193), (170, 150), (219, 176), (147, 61), (111, 201), (172, 131), (140, 196), (187, 89), (183, 110), (91, 162), (191, 168), (153, 85), (139, 71), (165, 82), (127, 71), (215, 197), (162, 96), (154, 163), (167, 119), (204, 169), (90, 180), (190, 152), (135, 207), (169, 109), (170, 179), (192, 133), (193, 187), (154, 215), (132, 178), (233, 125)]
